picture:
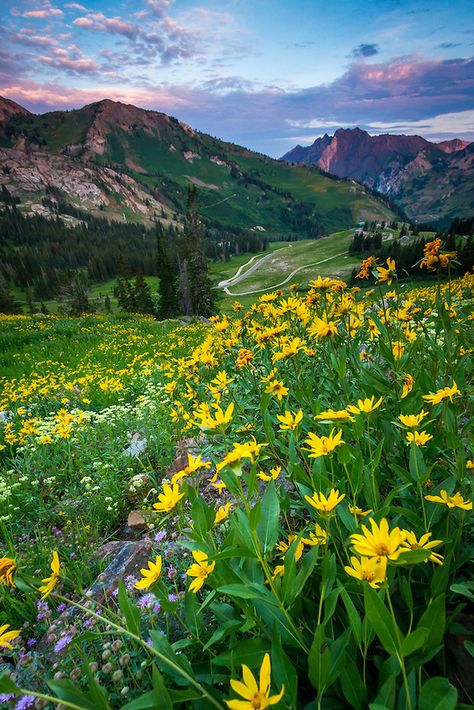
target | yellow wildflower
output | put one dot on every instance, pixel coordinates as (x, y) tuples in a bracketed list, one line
[(323, 445), (222, 513), (408, 383), (7, 636), (150, 575), (411, 421), (274, 473), (444, 393), (424, 543), (454, 501), (368, 569), (355, 510), (323, 504), (386, 274), (277, 388), (290, 420), (168, 499), (365, 406), (331, 415), (255, 696), (283, 546), (201, 569), (317, 537), (419, 438), (380, 542), (49, 583), (7, 569)]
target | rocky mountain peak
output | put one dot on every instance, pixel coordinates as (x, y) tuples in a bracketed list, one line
[(9, 108)]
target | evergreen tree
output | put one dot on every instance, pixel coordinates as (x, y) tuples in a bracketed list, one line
[(77, 295), (142, 295), (195, 285), (168, 306), (8, 304)]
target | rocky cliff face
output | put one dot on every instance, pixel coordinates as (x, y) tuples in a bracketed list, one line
[(409, 169)]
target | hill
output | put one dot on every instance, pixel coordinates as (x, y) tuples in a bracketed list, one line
[(431, 182), (123, 162)]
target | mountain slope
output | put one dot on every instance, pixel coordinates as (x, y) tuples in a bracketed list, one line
[(429, 181), (163, 156)]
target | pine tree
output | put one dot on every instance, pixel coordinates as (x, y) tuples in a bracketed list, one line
[(8, 304), (142, 293), (195, 285), (168, 306)]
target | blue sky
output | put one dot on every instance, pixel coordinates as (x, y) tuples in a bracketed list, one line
[(263, 73)]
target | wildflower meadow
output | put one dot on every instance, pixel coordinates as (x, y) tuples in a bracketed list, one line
[(310, 549)]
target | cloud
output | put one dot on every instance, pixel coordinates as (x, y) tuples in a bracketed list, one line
[(448, 45), (407, 95), (365, 50), (75, 6), (48, 11)]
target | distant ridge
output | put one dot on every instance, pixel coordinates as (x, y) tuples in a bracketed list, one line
[(432, 182)]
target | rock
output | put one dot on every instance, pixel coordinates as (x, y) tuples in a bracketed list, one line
[(137, 446), (126, 560), (136, 520)]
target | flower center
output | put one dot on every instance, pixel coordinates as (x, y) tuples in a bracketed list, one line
[(382, 550), (256, 701)]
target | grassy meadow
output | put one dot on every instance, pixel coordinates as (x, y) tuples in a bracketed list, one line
[(311, 550)]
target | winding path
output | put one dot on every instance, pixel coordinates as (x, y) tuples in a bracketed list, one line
[(239, 277)]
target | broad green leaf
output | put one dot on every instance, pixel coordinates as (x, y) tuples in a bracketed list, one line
[(6, 684), (381, 620), (385, 697), (243, 591), (250, 652), (354, 617), (414, 641), (463, 589), (70, 693), (319, 660), (267, 527), (352, 686), (129, 610), (160, 691), (283, 671), (434, 619), (438, 694)]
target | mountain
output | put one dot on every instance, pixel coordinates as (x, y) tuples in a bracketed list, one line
[(123, 162), (431, 182)]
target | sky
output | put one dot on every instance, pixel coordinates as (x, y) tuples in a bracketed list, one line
[(266, 74)]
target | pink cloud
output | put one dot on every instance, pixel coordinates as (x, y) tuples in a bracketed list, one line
[(75, 6), (42, 14)]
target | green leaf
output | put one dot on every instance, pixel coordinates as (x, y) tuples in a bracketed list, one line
[(202, 515), (469, 646), (246, 591), (354, 617), (267, 528), (381, 620), (7, 685), (250, 652), (129, 610), (223, 631), (351, 683), (434, 619), (70, 693), (411, 557), (319, 660), (462, 589), (414, 641), (283, 671), (160, 691), (438, 694), (385, 697)]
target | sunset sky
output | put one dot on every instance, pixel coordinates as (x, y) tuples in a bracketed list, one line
[(262, 73)]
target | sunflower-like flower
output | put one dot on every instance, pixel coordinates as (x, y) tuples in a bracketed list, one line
[(49, 583), (7, 636), (454, 501), (323, 504), (168, 499), (201, 569), (255, 696), (322, 445), (424, 543), (368, 569), (150, 575), (380, 542), (7, 569)]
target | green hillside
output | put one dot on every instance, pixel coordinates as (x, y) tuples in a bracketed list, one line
[(236, 186)]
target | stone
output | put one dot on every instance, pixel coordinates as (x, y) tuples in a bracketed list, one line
[(136, 520)]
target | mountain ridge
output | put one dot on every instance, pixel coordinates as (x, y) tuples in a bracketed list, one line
[(430, 181), (163, 155)]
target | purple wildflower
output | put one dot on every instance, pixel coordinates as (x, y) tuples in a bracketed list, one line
[(157, 608), (172, 597), (160, 536), (146, 601), (5, 697), (61, 607), (62, 643), (31, 642), (25, 702)]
